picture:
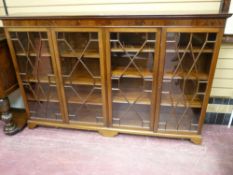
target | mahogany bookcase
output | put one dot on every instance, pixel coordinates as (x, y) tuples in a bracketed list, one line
[(146, 75)]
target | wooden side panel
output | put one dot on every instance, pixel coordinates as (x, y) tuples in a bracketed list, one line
[(8, 80)]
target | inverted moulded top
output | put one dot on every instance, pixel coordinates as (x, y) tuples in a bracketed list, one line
[(138, 16)]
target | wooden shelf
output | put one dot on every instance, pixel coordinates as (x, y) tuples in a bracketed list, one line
[(195, 50), (131, 97), (22, 54), (77, 54), (68, 54), (75, 80), (133, 49), (179, 101), (152, 50), (42, 79), (165, 100), (94, 99), (182, 75), (131, 73)]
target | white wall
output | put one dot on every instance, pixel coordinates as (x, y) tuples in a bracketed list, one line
[(113, 6), (229, 25), (223, 79)]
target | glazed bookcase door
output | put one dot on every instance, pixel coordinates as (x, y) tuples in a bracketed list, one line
[(187, 64), (34, 64), (131, 71), (80, 61)]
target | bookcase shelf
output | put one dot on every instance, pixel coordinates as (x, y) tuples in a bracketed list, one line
[(184, 75), (132, 98), (181, 101), (194, 50), (75, 80), (65, 54), (131, 73), (133, 49)]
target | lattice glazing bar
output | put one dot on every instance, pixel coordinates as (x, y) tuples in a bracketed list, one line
[(184, 89), (132, 58), (35, 70), (80, 66)]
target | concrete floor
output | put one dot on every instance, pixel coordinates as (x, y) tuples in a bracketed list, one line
[(43, 151)]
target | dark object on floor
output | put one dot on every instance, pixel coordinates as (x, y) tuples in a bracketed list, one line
[(15, 120)]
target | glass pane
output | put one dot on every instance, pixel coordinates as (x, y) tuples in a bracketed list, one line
[(132, 68), (80, 66), (187, 65), (36, 72)]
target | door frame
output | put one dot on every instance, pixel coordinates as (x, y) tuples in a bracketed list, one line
[(102, 69), (155, 30), (14, 59), (216, 48)]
